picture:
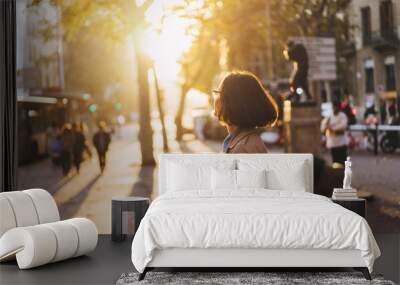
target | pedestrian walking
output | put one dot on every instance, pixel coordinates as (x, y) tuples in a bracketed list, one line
[(101, 141), (370, 113), (392, 112), (67, 141), (54, 144), (84, 131), (334, 128), (78, 146)]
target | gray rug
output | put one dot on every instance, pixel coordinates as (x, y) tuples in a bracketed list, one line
[(242, 278)]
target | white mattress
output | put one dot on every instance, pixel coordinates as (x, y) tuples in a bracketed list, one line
[(252, 219)]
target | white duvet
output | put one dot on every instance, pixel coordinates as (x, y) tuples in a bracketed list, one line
[(250, 219)]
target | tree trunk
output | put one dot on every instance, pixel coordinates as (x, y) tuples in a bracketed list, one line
[(179, 113), (145, 129), (161, 111)]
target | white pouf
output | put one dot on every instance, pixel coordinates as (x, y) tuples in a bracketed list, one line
[(67, 237), (87, 234), (7, 220), (41, 244), (31, 232), (45, 205), (23, 209)]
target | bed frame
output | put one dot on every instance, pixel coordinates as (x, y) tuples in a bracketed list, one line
[(242, 259), (246, 258)]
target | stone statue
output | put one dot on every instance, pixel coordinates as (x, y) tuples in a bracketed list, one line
[(347, 174), (297, 53)]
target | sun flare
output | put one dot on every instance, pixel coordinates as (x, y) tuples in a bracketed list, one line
[(165, 40)]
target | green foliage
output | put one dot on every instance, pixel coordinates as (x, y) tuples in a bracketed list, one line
[(200, 64), (242, 25), (95, 34), (118, 21), (114, 19), (317, 18)]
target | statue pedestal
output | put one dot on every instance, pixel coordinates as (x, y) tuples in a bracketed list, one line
[(302, 127)]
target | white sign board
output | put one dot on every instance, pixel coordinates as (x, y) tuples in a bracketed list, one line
[(321, 56)]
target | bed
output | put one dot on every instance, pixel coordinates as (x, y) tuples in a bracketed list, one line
[(247, 210)]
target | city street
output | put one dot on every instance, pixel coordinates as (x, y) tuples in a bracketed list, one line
[(351, 62), (89, 193), (96, 91)]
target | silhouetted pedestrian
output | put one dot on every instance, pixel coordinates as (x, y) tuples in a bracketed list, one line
[(101, 141), (67, 140), (334, 128), (392, 112), (84, 131), (78, 146), (54, 144)]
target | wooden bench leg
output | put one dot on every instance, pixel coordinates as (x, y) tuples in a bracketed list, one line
[(364, 271)]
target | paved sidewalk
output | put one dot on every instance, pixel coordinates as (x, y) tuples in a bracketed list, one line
[(88, 194)]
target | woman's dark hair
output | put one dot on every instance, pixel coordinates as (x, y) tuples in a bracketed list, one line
[(244, 102)]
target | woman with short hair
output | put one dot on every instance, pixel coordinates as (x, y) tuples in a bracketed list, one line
[(243, 106)]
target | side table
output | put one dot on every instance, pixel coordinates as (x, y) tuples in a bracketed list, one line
[(357, 205), (126, 214)]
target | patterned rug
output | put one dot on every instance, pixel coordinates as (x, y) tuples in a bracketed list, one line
[(243, 278)]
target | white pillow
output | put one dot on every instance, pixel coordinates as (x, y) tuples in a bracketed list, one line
[(182, 177), (223, 179), (237, 179), (251, 178), (295, 180), (189, 174), (281, 174)]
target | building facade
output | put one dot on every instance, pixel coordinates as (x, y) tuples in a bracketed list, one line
[(43, 103), (39, 48), (373, 52)]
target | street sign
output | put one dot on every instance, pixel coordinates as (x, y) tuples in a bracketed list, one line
[(321, 53)]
